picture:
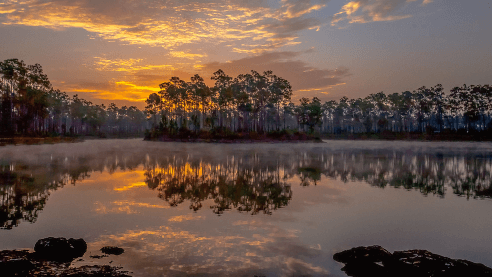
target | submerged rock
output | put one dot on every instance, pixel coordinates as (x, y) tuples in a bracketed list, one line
[(371, 254), (15, 262), (112, 250), (60, 249), (24, 263), (377, 261)]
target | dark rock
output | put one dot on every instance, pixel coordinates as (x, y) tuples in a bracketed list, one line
[(16, 268), (98, 256), (60, 249), (371, 254), (419, 262), (23, 263), (79, 246), (95, 271), (363, 268), (112, 250), (360, 260), (422, 262), (377, 261), (14, 263)]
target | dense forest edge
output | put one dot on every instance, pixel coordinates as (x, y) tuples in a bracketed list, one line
[(250, 107), (32, 111)]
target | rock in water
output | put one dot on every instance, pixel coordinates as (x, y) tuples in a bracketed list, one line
[(23, 263), (112, 250), (377, 261), (15, 263), (79, 247), (370, 254), (425, 263), (361, 260), (60, 249)]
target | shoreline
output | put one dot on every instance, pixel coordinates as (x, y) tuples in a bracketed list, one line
[(394, 136), (37, 140), (24, 140), (231, 141), (241, 138)]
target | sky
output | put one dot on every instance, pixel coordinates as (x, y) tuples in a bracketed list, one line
[(121, 50)]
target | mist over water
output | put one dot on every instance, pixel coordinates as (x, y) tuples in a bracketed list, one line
[(233, 209)]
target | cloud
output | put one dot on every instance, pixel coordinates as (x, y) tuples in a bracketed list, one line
[(186, 55), (289, 27), (297, 8), (175, 251), (131, 186), (171, 23), (131, 66), (181, 218), (138, 80), (133, 79), (286, 64), (188, 31), (130, 91), (364, 11), (127, 207)]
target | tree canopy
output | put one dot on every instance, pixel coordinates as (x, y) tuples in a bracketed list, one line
[(251, 102), (262, 103), (31, 106)]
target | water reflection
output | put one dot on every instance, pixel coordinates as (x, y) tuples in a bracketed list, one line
[(242, 178), (23, 195), (465, 175), (25, 188), (235, 185), (172, 251)]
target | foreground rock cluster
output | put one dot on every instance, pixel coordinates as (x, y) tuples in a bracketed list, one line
[(53, 257), (377, 261)]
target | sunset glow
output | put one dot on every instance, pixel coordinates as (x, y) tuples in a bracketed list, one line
[(121, 51)]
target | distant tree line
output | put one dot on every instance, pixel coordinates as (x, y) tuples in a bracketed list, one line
[(466, 108), (30, 106), (249, 102), (262, 103)]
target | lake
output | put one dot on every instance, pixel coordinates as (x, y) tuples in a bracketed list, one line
[(181, 209)]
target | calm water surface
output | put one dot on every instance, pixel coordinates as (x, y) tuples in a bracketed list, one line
[(248, 209)]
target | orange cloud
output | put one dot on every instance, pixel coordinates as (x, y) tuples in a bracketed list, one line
[(181, 218), (167, 25), (182, 54), (131, 186), (294, 9), (364, 11), (127, 207), (115, 90), (103, 64), (136, 79), (180, 28), (241, 254)]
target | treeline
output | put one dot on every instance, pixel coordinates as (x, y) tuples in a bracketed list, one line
[(262, 103), (249, 102), (30, 106), (253, 102), (466, 108)]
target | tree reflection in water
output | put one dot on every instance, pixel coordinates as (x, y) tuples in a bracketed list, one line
[(248, 181), (466, 175), (247, 188), (18, 200), (24, 189)]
